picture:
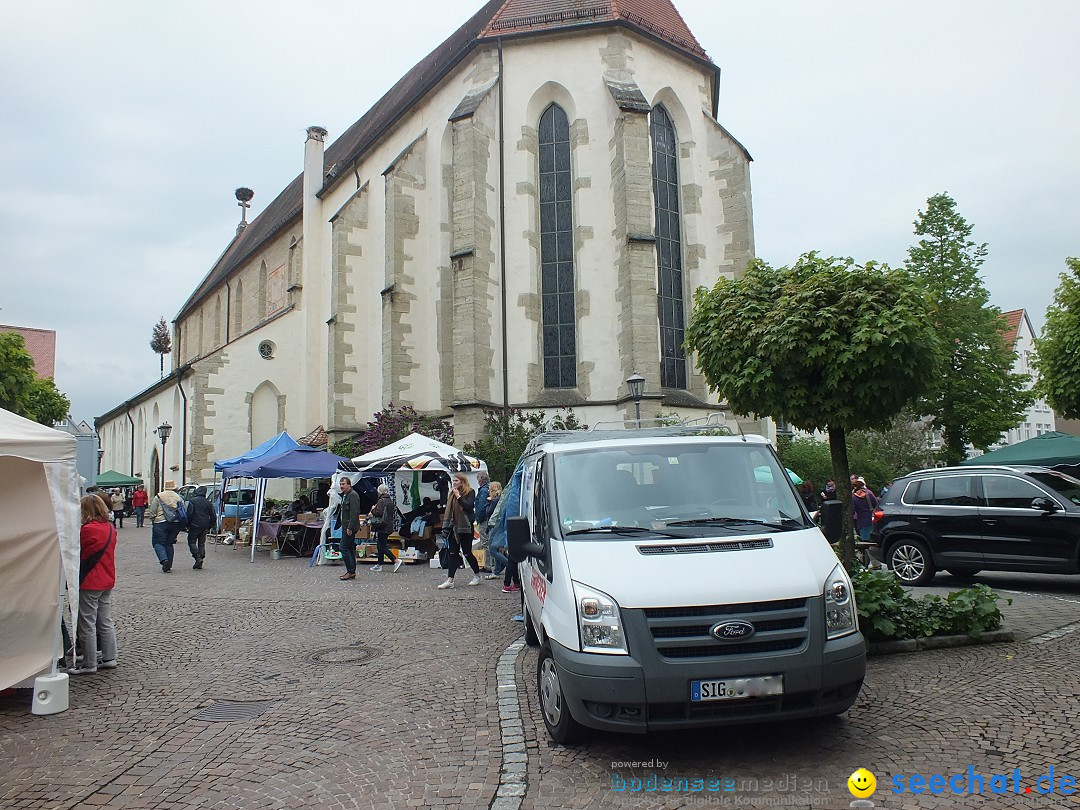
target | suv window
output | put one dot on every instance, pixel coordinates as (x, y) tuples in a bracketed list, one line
[(1006, 492), (1063, 485), (951, 490)]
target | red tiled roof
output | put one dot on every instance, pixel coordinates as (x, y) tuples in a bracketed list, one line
[(317, 438), (1012, 326), (41, 346), (657, 19)]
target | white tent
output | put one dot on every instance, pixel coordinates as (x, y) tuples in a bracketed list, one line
[(39, 545)]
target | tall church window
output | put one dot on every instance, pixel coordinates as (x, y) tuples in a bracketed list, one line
[(557, 251), (665, 146)]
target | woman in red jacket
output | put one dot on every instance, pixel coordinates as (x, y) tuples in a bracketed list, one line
[(97, 576)]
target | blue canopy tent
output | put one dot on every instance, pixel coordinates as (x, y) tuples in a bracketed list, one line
[(271, 447), (297, 462)]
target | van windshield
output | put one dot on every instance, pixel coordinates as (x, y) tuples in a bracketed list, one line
[(691, 489)]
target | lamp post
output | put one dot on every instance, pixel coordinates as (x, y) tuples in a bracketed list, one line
[(163, 431), (100, 454), (636, 384)]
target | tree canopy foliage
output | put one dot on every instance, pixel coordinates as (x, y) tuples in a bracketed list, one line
[(824, 343), (975, 396), (21, 391), (1058, 349), (161, 341)]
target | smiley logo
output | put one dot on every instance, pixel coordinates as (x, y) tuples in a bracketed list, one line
[(862, 784)]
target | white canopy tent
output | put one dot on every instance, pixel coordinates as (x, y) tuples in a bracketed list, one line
[(39, 546)]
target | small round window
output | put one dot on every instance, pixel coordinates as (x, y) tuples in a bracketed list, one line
[(266, 350)]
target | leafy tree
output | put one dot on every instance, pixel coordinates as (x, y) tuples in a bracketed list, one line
[(1058, 349), (161, 341), (393, 423), (507, 433), (825, 344), (21, 391), (975, 396)]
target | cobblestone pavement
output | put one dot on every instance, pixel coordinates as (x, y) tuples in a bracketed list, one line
[(383, 692)]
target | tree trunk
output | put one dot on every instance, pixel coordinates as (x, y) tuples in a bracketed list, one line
[(161, 358), (842, 477)]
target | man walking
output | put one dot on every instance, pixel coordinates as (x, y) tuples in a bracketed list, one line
[(349, 515), (201, 516)]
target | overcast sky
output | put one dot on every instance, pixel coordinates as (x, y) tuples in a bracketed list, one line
[(126, 126)]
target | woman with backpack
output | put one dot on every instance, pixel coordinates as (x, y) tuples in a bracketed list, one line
[(381, 522), (167, 518)]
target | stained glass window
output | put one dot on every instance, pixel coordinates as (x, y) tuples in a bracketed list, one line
[(558, 319), (665, 146)]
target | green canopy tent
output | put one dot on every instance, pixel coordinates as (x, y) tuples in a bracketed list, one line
[(1049, 450), (111, 478)]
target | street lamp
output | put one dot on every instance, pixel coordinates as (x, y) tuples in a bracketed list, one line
[(163, 431), (100, 455), (636, 384)]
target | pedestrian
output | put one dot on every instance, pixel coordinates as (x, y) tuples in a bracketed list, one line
[(349, 517), (201, 517), (482, 515), (116, 503), (165, 524), (809, 497), (381, 521), (97, 578), (498, 556), (139, 502), (458, 519), (830, 493), (863, 504)]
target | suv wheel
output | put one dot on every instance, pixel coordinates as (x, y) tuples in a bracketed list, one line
[(911, 561)]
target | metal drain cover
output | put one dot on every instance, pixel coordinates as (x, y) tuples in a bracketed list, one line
[(342, 655), (230, 711)]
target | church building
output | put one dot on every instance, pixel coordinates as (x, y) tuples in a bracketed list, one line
[(521, 220)]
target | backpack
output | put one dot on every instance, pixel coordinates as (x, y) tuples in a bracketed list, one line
[(177, 515)]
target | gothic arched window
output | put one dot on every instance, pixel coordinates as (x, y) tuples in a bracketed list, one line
[(669, 299), (558, 317)]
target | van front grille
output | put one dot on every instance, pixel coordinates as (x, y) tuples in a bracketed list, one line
[(780, 626)]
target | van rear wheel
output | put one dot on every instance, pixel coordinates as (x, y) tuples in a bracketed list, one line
[(531, 638), (561, 726)]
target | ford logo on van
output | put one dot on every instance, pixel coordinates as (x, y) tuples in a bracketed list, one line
[(733, 631)]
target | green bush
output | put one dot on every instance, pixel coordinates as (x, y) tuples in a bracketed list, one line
[(887, 612)]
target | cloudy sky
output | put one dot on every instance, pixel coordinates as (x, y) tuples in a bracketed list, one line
[(126, 125)]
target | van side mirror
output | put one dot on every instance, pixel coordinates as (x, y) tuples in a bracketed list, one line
[(832, 520), (518, 540), (1045, 504)]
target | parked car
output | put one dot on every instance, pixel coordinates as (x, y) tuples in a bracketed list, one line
[(240, 503), (970, 519)]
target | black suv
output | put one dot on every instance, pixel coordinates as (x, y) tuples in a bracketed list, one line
[(968, 519)]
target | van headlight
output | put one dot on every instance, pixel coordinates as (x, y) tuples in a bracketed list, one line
[(841, 617), (599, 622)]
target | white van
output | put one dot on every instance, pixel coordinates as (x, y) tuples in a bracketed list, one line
[(674, 580)]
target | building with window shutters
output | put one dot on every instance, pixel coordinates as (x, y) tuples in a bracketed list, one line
[(522, 219)]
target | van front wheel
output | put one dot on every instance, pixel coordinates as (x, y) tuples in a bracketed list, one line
[(561, 726)]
